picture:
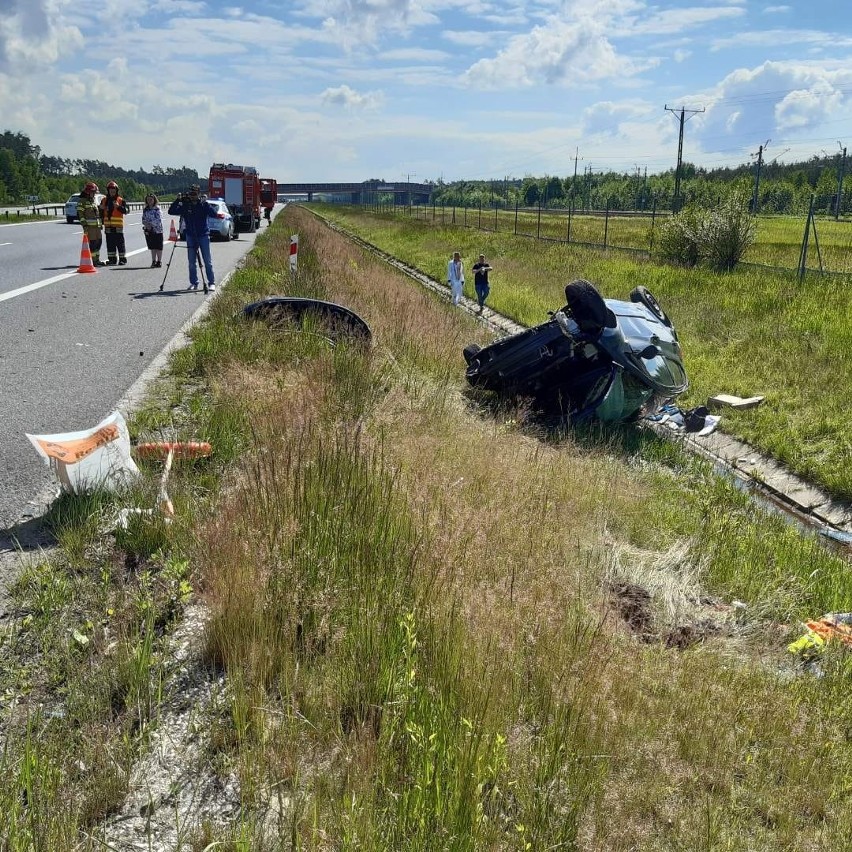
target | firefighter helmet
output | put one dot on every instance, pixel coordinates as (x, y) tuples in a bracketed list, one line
[(91, 186)]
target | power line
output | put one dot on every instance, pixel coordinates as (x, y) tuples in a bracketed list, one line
[(683, 111)]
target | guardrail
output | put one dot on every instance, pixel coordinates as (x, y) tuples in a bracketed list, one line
[(57, 210)]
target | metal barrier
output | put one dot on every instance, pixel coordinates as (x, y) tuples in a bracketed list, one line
[(58, 210)]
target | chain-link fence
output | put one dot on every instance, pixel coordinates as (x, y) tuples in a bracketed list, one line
[(800, 245)]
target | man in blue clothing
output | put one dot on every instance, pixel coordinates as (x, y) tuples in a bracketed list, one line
[(194, 209)]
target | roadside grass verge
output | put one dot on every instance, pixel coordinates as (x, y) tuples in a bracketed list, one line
[(440, 625), (747, 332)]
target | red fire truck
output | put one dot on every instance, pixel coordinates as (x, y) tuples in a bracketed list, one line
[(240, 187), (268, 196)]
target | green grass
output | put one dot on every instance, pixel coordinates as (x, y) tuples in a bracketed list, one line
[(778, 239), (438, 625), (750, 332)]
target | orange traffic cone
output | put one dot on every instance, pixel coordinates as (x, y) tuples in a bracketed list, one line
[(173, 238), (86, 264)]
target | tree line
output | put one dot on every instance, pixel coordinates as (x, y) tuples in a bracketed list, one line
[(774, 188), (26, 173)]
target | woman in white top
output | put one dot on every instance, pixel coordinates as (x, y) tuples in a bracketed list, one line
[(455, 277)]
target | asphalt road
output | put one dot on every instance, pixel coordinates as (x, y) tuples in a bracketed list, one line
[(72, 344)]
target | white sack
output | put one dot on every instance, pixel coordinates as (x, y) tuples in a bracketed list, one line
[(91, 458)]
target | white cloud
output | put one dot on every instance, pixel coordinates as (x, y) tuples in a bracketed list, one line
[(782, 37), (560, 52), (411, 54), (790, 102), (679, 20), (33, 31), (472, 38), (357, 22), (350, 99)]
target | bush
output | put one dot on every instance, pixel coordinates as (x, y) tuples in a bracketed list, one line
[(680, 238), (719, 236), (727, 233)]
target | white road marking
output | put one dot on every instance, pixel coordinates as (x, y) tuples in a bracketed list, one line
[(39, 284), (5, 244)]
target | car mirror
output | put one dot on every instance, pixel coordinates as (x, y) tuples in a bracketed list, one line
[(650, 351)]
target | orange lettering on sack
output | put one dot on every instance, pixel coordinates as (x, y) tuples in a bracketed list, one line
[(75, 450)]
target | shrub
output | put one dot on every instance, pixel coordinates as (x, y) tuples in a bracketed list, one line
[(719, 236), (679, 238), (727, 233)]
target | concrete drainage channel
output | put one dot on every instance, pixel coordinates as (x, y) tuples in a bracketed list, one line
[(760, 475)]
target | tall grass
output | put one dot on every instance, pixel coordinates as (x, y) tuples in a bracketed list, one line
[(748, 332), (438, 625)]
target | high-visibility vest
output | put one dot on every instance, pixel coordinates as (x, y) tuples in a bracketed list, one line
[(114, 219)]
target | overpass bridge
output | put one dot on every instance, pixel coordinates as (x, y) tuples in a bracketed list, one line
[(365, 192)]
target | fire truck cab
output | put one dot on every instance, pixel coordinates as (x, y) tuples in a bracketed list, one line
[(240, 187), (268, 196)]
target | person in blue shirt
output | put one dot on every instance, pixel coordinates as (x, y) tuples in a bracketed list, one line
[(194, 209)]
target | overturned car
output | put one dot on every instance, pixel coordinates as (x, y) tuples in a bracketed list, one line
[(594, 358)]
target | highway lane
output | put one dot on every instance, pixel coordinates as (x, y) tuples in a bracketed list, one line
[(72, 344)]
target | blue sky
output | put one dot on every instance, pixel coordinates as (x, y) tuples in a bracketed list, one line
[(345, 90)]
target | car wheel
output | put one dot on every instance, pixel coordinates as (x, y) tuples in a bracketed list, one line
[(471, 351), (587, 307), (69, 220), (643, 296)]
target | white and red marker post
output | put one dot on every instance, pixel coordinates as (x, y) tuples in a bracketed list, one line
[(294, 253)]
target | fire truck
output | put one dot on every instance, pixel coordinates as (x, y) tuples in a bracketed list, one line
[(268, 196), (240, 187)]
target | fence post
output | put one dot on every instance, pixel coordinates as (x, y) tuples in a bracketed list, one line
[(570, 216), (479, 226), (516, 218), (495, 218), (653, 220), (803, 254), (465, 214), (538, 227), (606, 223)]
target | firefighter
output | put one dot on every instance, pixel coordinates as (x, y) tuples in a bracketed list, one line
[(90, 220), (113, 208)]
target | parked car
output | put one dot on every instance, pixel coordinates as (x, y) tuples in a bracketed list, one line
[(595, 357), (71, 206), (221, 225)]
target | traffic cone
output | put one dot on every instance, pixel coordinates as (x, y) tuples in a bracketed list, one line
[(86, 264), (173, 237)]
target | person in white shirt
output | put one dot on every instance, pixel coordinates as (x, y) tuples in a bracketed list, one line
[(455, 277)]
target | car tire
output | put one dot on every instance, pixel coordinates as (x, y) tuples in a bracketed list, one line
[(471, 351), (587, 307), (643, 296), (69, 220)]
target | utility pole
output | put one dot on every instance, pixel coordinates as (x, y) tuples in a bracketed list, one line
[(840, 171), (574, 182), (683, 112), (759, 155)]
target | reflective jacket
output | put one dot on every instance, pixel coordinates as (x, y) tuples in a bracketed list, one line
[(112, 212), (88, 213)]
